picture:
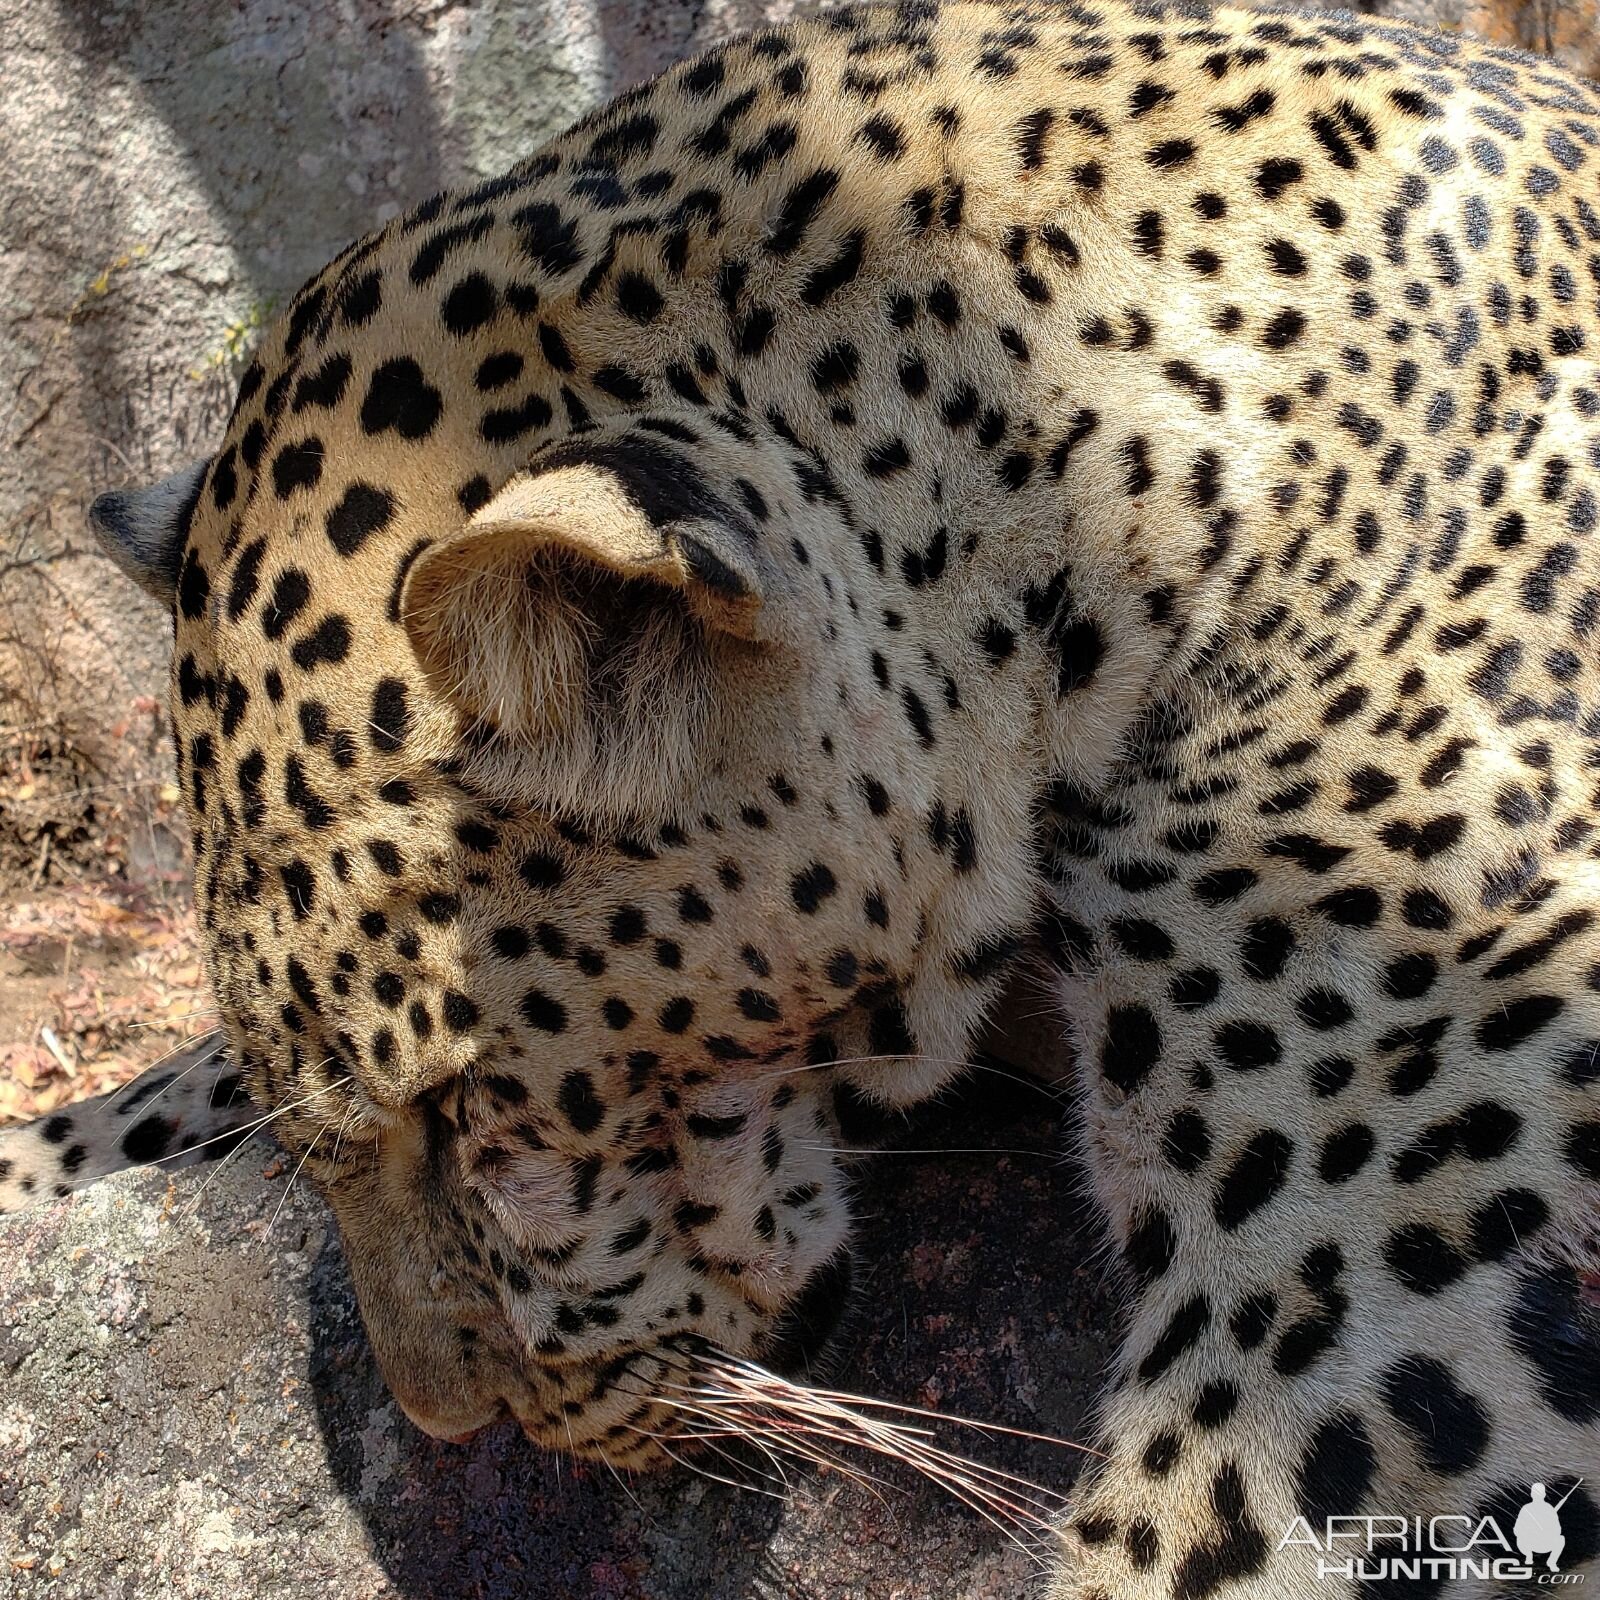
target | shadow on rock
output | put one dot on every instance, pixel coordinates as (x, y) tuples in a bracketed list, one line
[(978, 1299)]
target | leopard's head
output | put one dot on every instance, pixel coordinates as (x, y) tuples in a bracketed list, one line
[(558, 822)]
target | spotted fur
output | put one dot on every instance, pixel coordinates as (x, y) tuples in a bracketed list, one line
[(192, 1107), (689, 611)]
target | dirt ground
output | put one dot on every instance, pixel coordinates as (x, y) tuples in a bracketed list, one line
[(100, 973)]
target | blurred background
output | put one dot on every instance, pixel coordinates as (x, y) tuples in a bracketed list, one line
[(173, 172)]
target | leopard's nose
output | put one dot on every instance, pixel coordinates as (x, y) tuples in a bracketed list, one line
[(450, 1430)]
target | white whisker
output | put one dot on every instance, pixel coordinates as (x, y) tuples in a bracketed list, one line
[(111, 1099), (965, 1063), (288, 1188), (852, 1152), (836, 1404), (167, 1022), (730, 1397), (705, 1472), (753, 1429), (243, 1132)]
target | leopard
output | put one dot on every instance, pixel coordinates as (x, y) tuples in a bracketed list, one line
[(918, 493)]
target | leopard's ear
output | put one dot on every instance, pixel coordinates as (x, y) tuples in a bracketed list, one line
[(144, 530), (627, 505), (606, 590)]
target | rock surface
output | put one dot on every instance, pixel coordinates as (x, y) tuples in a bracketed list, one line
[(188, 1407)]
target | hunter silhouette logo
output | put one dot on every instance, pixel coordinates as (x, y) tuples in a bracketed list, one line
[(1538, 1527), (1442, 1549)]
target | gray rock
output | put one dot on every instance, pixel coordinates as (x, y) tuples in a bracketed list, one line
[(188, 1406)]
